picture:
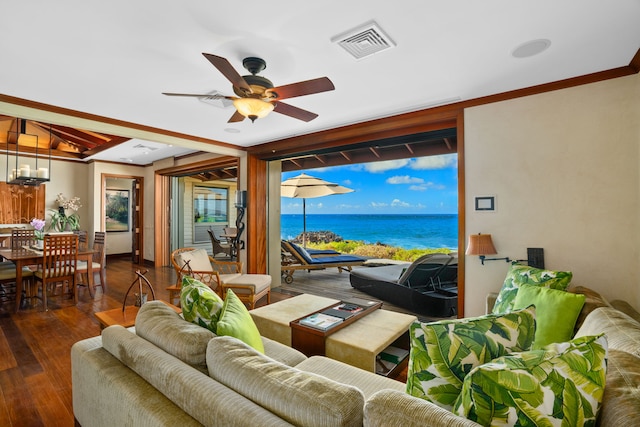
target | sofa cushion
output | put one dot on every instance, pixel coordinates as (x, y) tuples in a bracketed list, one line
[(556, 312), (592, 301), (198, 260), (391, 408), (301, 398), (442, 353), (200, 396), (200, 304), (562, 384), (622, 394), (160, 325), (235, 321), (519, 274), (623, 333)]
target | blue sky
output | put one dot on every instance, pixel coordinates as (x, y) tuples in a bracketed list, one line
[(424, 185)]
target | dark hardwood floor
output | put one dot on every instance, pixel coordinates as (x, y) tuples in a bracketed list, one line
[(35, 367)]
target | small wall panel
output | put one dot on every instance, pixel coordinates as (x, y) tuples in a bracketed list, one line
[(20, 204)]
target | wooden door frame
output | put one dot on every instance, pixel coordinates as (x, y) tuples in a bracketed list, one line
[(162, 199), (140, 230)]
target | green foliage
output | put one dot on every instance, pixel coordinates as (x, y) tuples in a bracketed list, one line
[(59, 221), (357, 247)]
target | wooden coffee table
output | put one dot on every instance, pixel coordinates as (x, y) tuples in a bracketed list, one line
[(311, 341), (124, 318)]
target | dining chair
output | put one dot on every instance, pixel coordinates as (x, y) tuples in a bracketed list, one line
[(22, 237), (60, 257), (82, 239), (218, 246), (99, 261), (19, 238)]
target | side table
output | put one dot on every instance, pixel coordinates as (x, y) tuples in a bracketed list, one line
[(124, 318)]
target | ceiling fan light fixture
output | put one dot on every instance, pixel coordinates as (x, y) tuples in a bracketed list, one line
[(253, 108)]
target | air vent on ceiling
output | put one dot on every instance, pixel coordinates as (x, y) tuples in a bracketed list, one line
[(144, 147), (364, 41)]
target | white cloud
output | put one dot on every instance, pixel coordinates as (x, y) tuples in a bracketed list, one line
[(378, 167), (435, 162), (379, 205), (427, 186), (406, 179), (400, 203)]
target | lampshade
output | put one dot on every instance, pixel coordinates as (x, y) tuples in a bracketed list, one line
[(253, 108), (480, 244)]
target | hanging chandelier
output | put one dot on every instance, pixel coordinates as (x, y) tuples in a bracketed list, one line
[(27, 164)]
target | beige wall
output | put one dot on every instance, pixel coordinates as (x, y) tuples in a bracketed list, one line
[(564, 169)]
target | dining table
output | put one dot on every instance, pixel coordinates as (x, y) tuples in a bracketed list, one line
[(26, 256)]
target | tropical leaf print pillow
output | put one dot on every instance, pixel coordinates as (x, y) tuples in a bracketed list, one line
[(199, 303), (562, 384), (521, 274), (442, 353)]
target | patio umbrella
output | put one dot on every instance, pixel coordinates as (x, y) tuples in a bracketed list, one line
[(305, 187)]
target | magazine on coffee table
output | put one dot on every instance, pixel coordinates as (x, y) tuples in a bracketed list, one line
[(320, 321)]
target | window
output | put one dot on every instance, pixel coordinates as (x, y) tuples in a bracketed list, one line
[(210, 205)]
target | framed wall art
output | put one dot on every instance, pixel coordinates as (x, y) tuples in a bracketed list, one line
[(116, 210)]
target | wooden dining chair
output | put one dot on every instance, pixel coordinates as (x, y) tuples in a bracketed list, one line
[(82, 239), (99, 261), (60, 257), (22, 237), (19, 238)]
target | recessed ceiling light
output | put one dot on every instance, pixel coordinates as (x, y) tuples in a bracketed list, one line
[(531, 48), (232, 130)]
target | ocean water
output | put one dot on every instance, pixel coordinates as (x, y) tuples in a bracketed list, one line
[(405, 231)]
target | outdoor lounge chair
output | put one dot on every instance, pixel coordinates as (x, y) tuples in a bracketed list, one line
[(427, 286), (298, 258)]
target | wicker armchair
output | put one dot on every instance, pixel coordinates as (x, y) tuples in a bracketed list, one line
[(218, 275)]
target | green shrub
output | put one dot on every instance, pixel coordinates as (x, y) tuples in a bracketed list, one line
[(356, 247)]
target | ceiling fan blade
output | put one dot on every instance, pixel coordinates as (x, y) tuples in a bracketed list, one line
[(308, 87), (228, 71), (237, 117), (295, 112), (199, 95)]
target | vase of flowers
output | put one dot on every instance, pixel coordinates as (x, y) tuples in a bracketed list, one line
[(38, 231), (60, 219)]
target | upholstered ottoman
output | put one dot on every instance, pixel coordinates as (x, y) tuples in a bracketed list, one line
[(273, 320), (359, 343), (248, 287)]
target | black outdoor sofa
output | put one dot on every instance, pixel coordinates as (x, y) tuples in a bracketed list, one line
[(428, 286)]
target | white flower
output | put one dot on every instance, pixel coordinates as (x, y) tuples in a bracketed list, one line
[(73, 204)]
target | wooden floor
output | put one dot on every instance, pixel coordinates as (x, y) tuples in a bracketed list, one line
[(35, 367)]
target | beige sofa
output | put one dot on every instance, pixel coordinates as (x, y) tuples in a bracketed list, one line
[(621, 402), (170, 372)]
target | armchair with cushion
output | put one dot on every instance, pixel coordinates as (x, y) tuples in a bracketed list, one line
[(219, 276)]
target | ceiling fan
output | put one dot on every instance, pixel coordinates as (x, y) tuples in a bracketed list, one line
[(256, 95)]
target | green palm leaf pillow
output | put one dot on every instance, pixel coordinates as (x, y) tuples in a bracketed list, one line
[(521, 274), (199, 303), (442, 353), (562, 384)]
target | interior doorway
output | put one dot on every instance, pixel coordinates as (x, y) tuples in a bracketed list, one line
[(122, 216)]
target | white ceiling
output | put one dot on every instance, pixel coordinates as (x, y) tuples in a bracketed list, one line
[(115, 58)]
